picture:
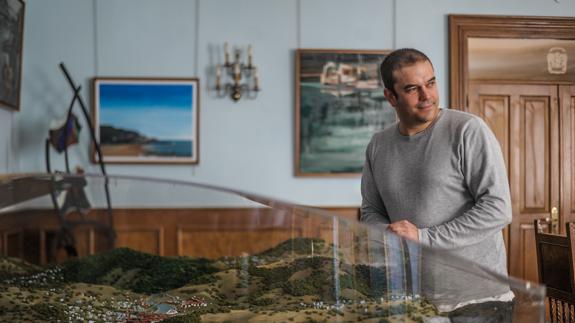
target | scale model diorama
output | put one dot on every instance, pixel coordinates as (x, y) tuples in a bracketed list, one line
[(283, 284), (324, 268)]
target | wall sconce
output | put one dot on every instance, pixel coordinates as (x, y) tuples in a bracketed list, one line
[(237, 70)]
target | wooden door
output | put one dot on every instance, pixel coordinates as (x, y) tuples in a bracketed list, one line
[(526, 120), (567, 104)]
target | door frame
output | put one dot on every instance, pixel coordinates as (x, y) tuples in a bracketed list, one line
[(462, 27)]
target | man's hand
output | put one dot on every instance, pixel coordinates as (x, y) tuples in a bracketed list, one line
[(404, 229)]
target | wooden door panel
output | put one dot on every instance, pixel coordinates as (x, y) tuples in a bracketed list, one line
[(535, 154), (567, 102), (494, 110), (571, 132), (525, 120)]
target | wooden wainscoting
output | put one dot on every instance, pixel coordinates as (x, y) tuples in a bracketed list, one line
[(210, 243), (146, 239), (33, 235)]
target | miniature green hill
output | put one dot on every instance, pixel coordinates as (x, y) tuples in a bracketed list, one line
[(295, 271), (137, 271), (13, 267), (297, 246), (317, 278)]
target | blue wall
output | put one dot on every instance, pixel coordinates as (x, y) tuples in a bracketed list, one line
[(247, 145), (7, 155)]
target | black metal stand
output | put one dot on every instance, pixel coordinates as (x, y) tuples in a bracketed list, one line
[(66, 239)]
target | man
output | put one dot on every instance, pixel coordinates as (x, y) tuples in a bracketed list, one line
[(438, 175)]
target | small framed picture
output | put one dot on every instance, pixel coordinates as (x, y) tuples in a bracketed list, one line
[(146, 120), (11, 38)]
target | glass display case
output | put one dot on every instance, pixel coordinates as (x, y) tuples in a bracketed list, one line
[(128, 249)]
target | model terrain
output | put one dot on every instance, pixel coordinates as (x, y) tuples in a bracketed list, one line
[(284, 284)]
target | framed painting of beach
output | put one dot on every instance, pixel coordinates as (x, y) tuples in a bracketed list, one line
[(339, 105), (146, 120), (11, 39)]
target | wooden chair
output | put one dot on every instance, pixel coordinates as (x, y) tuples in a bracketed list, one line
[(555, 256)]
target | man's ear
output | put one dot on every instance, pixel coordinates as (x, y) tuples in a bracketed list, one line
[(390, 96)]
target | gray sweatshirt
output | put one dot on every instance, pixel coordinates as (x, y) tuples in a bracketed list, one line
[(449, 180)]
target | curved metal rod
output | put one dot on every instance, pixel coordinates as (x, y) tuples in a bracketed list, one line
[(78, 97)]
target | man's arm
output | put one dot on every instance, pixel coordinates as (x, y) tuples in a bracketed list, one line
[(483, 167), (372, 207)]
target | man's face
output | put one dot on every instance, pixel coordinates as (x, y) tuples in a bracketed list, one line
[(416, 100)]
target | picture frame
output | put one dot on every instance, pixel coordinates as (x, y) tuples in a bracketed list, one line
[(146, 120), (339, 105), (11, 40)]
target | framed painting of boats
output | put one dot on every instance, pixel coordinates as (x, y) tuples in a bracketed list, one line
[(146, 120), (339, 105)]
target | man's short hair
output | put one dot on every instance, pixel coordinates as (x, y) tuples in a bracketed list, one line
[(397, 59)]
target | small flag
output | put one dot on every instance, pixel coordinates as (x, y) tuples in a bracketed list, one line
[(66, 135)]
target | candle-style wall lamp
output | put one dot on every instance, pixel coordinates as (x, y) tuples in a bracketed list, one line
[(237, 71)]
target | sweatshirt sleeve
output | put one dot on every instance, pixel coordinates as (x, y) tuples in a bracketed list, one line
[(372, 207), (483, 167)]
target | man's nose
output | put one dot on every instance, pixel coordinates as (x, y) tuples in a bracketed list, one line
[(423, 93)]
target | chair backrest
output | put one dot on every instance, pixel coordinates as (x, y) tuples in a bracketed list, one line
[(555, 256)]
